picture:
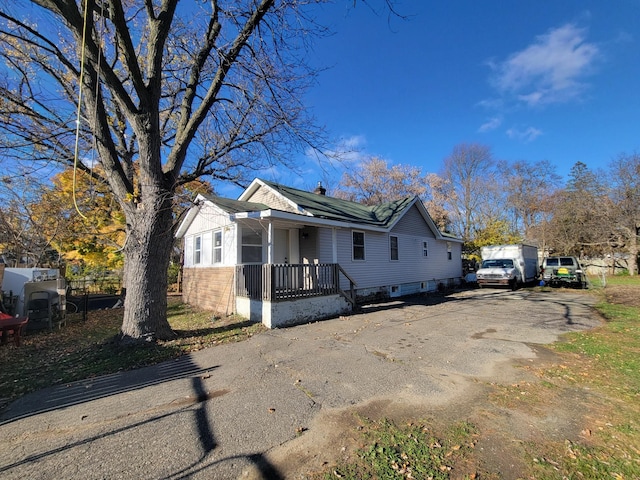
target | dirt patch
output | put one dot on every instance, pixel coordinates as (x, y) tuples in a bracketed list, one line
[(509, 416), (623, 295)]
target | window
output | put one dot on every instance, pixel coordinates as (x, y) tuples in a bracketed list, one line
[(425, 249), (393, 247), (448, 250), (251, 246), (217, 246), (358, 245), (197, 250)]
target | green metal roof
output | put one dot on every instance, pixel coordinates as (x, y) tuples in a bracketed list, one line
[(331, 208)]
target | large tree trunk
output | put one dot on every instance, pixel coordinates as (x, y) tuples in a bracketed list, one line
[(147, 253), (633, 255)]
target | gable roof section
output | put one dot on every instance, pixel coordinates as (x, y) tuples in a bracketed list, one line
[(309, 204), (227, 205), (235, 206), (321, 206)]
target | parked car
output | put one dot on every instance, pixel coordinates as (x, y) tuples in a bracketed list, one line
[(563, 271)]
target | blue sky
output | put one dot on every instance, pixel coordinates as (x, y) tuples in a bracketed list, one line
[(533, 80)]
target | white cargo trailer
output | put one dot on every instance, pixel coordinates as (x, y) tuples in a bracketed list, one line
[(508, 265)]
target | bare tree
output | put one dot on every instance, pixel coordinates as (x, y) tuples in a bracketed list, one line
[(579, 225), (624, 218), (373, 182), (163, 92), (527, 186), (473, 194)]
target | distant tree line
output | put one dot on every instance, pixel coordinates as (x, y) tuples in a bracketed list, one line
[(487, 201)]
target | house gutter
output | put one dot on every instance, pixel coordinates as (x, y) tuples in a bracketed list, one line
[(305, 219)]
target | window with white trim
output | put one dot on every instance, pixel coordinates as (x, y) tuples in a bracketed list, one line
[(197, 249), (393, 247), (449, 251), (251, 246), (217, 246), (425, 248), (358, 245)]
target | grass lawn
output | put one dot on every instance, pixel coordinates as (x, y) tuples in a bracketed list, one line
[(83, 349), (605, 361)]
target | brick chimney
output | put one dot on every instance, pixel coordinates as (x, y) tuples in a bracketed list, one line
[(320, 190)]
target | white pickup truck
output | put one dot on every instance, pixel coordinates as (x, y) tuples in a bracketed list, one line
[(508, 265)]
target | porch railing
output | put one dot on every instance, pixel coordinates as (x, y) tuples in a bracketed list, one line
[(279, 282)]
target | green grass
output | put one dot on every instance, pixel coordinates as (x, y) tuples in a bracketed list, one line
[(612, 351), (605, 361), (614, 280), (409, 451), (83, 349), (589, 463)]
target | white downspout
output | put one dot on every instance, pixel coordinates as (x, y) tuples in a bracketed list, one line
[(334, 244)]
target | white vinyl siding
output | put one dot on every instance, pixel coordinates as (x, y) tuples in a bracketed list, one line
[(267, 196), (206, 225), (188, 251), (413, 223), (410, 267)]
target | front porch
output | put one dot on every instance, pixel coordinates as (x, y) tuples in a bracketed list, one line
[(284, 294)]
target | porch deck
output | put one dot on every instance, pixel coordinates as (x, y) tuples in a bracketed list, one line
[(282, 282)]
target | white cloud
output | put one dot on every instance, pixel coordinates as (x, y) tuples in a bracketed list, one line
[(346, 150), (490, 124), (527, 135), (550, 70)]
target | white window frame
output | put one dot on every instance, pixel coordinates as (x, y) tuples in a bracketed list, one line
[(251, 245), (197, 250), (393, 249), (359, 246), (449, 255), (217, 249), (425, 248)]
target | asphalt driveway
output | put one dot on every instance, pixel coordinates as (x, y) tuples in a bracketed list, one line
[(227, 411)]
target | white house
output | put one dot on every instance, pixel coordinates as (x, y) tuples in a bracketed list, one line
[(284, 256)]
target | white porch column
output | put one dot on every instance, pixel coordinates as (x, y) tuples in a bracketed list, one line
[(270, 237), (334, 244), (294, 245)]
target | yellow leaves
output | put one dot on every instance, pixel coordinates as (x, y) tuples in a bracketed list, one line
[(95, 239), (131, 198)]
